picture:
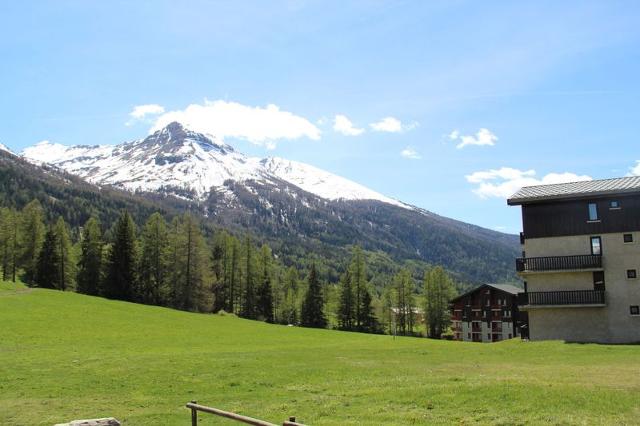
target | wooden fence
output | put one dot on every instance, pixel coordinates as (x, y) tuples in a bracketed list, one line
[(195, 407)]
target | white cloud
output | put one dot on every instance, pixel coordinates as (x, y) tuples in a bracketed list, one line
[(482, 137), (506, 181), (140, 111), (635, 170), (258, 125), (342, 124), (392, 125), (410, 153)]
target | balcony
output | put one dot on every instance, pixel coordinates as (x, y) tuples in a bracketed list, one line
[(559, 263), (568, 298)]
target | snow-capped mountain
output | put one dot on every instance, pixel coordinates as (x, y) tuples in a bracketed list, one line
[(177, 160)]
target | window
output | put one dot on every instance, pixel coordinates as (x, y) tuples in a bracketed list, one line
[(489, 336), (596, 245), (634, 310), (627, 238), (598, 280), (468, 335), (593, 211), (631, 273), (614, 204)]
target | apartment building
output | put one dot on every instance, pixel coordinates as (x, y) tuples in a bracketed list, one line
[(488, 313), (580, 260)]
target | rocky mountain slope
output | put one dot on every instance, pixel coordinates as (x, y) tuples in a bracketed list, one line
[(298, 208)]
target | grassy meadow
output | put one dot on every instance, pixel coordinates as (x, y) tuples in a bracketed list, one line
[(66, 356)]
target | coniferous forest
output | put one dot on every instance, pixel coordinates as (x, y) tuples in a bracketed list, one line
[(182, 265)]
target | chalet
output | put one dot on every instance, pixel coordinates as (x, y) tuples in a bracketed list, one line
[(580, 260), (488, 313)]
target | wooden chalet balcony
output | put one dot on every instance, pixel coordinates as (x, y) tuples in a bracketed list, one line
[(562, 298), (559, 263)]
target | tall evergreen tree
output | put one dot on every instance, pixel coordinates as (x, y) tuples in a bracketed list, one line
[(8, 243), (312, 314), (249, 306), (265, 291), (91, 259), (31, 234), (154, 261), (120, 278), (438, 290), (404, 309), (66, 269), (48, 267), (346, 307), (368, 322), (358, 279), (190, 259), (220, 288), (289, 310)]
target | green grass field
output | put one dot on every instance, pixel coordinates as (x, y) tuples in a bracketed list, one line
[(65, 356)]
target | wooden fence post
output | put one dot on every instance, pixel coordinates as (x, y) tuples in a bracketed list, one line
[(194, 415)]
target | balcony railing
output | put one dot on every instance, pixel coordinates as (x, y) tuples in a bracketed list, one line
[(560, 298), (558, 263)]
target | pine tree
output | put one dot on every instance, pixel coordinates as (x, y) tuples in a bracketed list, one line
[(91, 259), (249, 294), (31, 233), (48, 267), (438, 289), (66, 267), (346, 308), (8, 243), (312, 314), (154, 261), (121, 268), (265, 291)]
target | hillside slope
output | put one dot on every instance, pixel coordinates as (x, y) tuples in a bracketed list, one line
[(297, 208), (141, 364)]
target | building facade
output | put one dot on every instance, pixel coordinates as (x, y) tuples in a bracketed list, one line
[(580, 260), (488, 313)]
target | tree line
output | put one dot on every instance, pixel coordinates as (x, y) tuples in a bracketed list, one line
[(175, 264)]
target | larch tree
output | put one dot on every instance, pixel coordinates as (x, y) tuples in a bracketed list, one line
[(8, 243), (438, 289), (358, 275), (404, 309), (346, 307), (249, 305), (66, 270), (31, 234), (289, 309), (154, 261), (265, 290)]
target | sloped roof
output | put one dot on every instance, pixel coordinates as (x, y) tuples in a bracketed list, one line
[(507, 288), (575, 190)]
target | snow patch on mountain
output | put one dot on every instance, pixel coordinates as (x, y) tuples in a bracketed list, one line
[(5, 148), (177, 158)]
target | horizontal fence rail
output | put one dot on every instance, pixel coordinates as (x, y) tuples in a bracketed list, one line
[(559, 298), (195, 407), (558, 263)]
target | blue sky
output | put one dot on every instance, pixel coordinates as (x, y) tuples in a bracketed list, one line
[(553, 84)]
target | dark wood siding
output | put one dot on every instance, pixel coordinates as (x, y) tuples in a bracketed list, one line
[(561, 218)]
